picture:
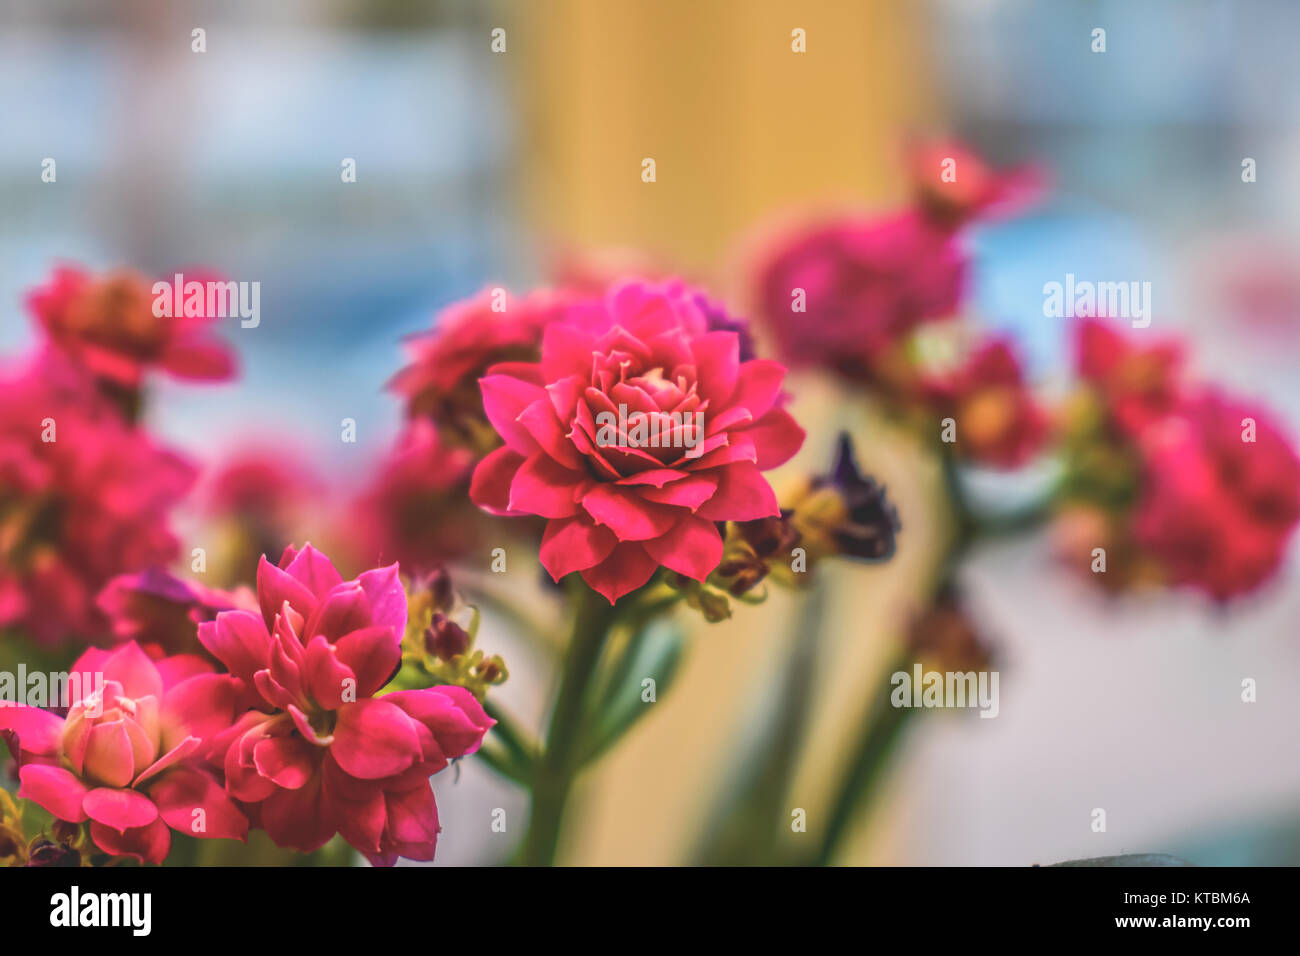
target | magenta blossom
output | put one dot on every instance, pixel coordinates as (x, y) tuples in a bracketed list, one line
[(107, 324), (323, 754), (162, 612), (122, 757), (843, 294), (83, 497), (636, 432)]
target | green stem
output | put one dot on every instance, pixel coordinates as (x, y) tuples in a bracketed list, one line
[(558, 765), (881, 731)]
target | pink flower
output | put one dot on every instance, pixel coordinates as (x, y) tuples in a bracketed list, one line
[(999, 421), (258, 497), (441, 382), (842, 295), (83, 497), (954, 185), (322, 754), (1139, 385), (1216, 510), (637, 430), (107, 324), (162, 613), (121, 758), (416, 511)]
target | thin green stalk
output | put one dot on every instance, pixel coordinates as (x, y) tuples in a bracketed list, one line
[(555, 770), (881, 732)]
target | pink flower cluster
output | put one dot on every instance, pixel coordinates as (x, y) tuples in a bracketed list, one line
[(83, 496), (1218, 484), (622, 501), (293, 737)]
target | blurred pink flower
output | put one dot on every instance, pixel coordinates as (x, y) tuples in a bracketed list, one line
[(621, 503), (446, 362), (954, 185), (107, 324), (417, 511), (83, 497), (1216, 509), (322, 754), (842, 295), (1138, 385), (121, 758), (161, 612), (1000, 423)]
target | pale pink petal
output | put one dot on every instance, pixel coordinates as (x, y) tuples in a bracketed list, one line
[(54, 788), (120, 809)]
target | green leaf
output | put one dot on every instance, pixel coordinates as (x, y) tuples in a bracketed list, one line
[(653, 652)]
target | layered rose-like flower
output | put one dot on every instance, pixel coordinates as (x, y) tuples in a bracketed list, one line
[(999, 421), (843, 295), (107, 324), (441, 381), (161, 612), (636, 432), (83, 497), (1220, 496), (123, 758), (322, 754)]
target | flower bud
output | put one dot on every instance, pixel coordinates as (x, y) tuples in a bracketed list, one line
[(444, 638)]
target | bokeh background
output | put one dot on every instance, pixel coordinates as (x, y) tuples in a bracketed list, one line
[(477, 168)]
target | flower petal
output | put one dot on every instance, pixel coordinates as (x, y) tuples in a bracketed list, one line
[(275, 586), (776, 437), (489, 488), (626, 569), (56, 789), (374, 739), (572, 544), (690, 492), (373, 654), (743, 495), (185, 790), (504, 400), (630, 516), (147, 844), (383, 587), (693, 548), (717, 366), (758, 385), (39, 731), (239, 639), (120, 809), (542, 486)]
